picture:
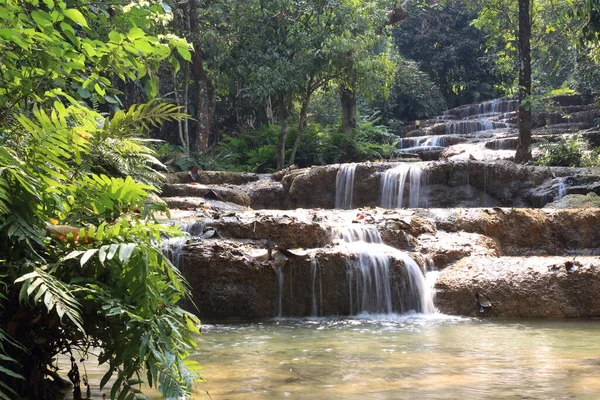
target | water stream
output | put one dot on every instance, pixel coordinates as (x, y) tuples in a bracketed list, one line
[(344, 186), (370, 278), (393, 186), (314, 266), (397, 357)]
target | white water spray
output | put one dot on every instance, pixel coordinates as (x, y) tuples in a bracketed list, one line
[(393, 186), (369, 278), (344, 186)]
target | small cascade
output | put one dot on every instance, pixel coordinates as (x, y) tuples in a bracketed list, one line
[(194, 228), (502, 144), (469, 127), (173, 249), (393, 186), (423, 141), (433, 141), (314, 266), (173, 246), (280, 289), (490, 108), (369, 277), (562, 189), (407, 143), (344, 186)]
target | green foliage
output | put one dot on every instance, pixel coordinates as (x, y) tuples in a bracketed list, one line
[(119, 149), (79, 249), (413, 96), (556, 28), (571, 152), (99, 273), (446, 45), (255, 150), (74, 51), (562, 91)]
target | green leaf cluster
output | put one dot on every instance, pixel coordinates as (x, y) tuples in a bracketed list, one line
[(83, 252), (73, 51), (80, 255)]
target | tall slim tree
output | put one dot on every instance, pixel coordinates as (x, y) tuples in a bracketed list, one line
[(204, 87), (523, 153)]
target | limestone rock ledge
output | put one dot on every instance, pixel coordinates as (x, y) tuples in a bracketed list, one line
[(531, 287)]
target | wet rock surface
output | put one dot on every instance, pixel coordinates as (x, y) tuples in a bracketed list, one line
[(467, 183), (505, 254), (532, 287), (239, 280), (525, 239)]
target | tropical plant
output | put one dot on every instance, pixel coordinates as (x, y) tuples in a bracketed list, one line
[(83, 252)]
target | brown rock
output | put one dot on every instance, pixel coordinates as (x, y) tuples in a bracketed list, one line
[(535, 287)]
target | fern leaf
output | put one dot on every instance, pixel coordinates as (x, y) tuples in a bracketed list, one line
[(54, 294)]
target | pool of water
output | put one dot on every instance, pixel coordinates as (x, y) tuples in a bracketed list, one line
[(400, 357)]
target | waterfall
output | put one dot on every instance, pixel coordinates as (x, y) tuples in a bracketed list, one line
[(173, 249), (314, 266), (505, 144), (469, 127), (434, 141), (280, 287), (562, 189), (394, 182), (407, 143), (422, 141), (491, 108), (344, 186), (369, 279)]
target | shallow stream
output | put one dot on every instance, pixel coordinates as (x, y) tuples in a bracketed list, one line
[(399, 357)]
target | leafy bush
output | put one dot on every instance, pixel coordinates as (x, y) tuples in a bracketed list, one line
[(562, 91), (572, 152), (256, 150)]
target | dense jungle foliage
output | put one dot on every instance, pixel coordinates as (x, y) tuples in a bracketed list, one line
[(94, 95), (272, 87)]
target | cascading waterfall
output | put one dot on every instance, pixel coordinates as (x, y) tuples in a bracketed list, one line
[(394, 182), (280, 289), (314, 267), (433, 141), (469, 127), (344, 186), (562, 189), (173, 247), (424, 141), (505, 144), (369, 278), (491, 107)]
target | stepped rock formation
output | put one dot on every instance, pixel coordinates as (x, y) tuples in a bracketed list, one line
[(473, 130), (264, 246)]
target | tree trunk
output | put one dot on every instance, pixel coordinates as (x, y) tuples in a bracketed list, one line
[(282, 135), (186, 105), (301, 120), (348, 100), (523, 153), (202, 84)]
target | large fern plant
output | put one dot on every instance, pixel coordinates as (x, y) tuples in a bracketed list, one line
[(79, 255)]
